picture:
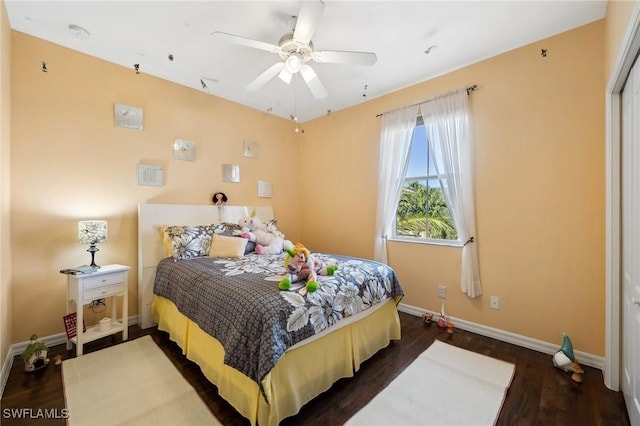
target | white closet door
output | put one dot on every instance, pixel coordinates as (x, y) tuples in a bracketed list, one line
[(630, 249)]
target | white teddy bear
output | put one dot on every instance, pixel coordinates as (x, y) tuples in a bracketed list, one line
[(267, 238)]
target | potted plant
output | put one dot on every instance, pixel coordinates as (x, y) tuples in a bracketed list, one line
[(35, 355)]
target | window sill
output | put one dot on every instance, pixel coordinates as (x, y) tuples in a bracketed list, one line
[(432, 242)]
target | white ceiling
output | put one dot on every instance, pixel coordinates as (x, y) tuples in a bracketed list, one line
[(147, 32)]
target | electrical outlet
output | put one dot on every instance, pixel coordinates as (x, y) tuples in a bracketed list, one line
[(442, 292), (494, 302)]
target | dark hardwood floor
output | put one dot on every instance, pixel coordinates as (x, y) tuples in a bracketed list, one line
[(539, 394)]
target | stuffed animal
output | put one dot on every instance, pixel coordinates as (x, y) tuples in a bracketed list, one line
[(272, 228), (266, 242), (250, 223), (301, 265)]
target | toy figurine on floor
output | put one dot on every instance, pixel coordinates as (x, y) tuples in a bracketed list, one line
[(427, 318), (565, 360), (443, 322)]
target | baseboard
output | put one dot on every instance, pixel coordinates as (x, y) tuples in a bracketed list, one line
[(18, 348), (505, 336), (6, 369)]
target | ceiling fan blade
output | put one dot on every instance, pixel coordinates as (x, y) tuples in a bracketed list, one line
[(344, 57), (311, 78), (263, 78), (243, 41), (285, 75), (308, 19)]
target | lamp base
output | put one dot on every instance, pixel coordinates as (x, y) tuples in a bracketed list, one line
[(93, 249)]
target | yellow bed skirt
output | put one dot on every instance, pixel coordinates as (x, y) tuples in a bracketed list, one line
[(300, 375)]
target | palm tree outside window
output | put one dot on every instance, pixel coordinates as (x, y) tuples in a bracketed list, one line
[(422, 212)]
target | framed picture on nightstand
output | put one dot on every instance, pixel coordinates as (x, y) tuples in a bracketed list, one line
[(70, 325)]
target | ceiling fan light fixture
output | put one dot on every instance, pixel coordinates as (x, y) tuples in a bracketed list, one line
[(295, 50), (293, 63)]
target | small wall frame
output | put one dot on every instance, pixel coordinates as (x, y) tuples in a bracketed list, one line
[(127, 116), (150, 175), (184, 150), (265, 189), (231, 173), (251, 149)]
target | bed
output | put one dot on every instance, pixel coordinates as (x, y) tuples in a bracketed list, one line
[(273, 350)]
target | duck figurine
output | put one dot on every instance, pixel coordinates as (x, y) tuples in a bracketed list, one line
[(565, 359)]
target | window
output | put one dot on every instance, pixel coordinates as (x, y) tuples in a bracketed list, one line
[(422, 212)]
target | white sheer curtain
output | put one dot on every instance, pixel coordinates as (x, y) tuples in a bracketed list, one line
[(447, 123), (395, 142)]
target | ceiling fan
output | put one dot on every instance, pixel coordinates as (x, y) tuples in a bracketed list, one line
[(296, 51)]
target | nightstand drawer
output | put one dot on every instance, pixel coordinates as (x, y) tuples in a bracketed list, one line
[(102, 281), (98, 293)]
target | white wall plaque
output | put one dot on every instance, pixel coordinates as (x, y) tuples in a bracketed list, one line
[(230, 173), (150, 175), (264, 189), (251, 149), (184, 150), (128, 117)]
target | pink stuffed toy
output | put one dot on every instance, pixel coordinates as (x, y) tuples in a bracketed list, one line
[(301, 265)]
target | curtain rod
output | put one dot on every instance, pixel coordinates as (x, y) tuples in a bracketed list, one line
[(468, 89)]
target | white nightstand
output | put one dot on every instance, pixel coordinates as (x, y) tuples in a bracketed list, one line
[(109, 280)]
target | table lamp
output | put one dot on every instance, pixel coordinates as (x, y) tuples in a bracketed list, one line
[(92, 232)]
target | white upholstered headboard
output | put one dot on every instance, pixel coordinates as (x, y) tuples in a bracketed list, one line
[(150, 251)]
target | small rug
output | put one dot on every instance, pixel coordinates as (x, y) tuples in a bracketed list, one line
[(131, 384), (445, 385)]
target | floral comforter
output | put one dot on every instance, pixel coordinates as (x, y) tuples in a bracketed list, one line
[(238, 302)]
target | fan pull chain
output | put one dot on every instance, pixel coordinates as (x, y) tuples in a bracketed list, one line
[(295, 91)]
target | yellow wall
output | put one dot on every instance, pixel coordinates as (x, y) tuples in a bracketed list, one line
[(70, 162), (5, 181), (539, 164), (539, 127)]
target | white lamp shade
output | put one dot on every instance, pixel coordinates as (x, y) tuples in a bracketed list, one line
[(92, 231)]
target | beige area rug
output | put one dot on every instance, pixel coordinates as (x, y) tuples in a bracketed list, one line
[(445, 385), (131, 384)]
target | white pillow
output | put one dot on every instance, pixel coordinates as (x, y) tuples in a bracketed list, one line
[(223, 246)]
